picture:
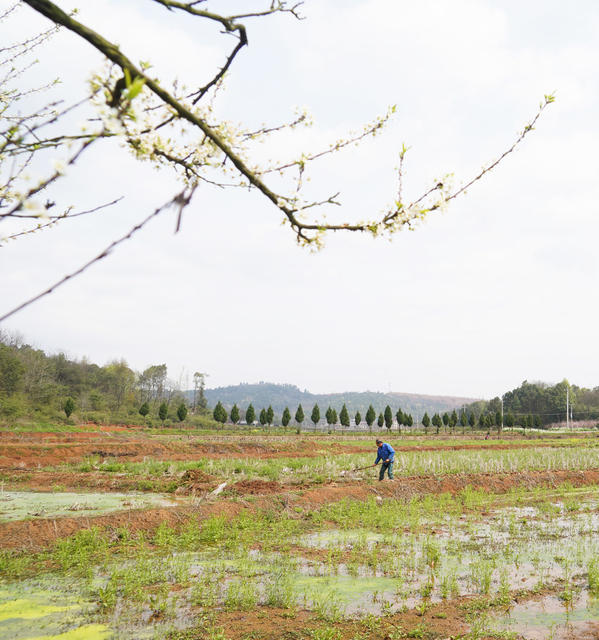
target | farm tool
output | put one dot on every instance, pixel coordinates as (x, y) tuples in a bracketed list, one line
[(362, 468), (358, 469)]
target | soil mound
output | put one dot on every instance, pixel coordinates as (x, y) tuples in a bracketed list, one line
[(257, 487)]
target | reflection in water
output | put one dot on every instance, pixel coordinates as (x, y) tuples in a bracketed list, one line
[(553, 618)]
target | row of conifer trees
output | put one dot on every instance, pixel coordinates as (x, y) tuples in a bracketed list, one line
[(386, 418), (266, 417)]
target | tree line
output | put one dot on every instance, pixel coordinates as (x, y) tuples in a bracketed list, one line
[(544, 403), (385, 418), (266, 416)]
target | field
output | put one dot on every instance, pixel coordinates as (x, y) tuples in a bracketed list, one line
[(121, 532)]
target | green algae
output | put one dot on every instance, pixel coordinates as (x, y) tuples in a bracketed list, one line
[(47, 607), (86, 632), (26, 505), (26, 609), (351, 593)]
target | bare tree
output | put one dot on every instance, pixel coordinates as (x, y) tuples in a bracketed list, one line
[(199, 384)]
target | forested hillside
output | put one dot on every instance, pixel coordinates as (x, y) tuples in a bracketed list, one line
[(545, 403), (40, 386), (279, 396)]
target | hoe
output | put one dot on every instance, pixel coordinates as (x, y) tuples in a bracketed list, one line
[(358, 469)]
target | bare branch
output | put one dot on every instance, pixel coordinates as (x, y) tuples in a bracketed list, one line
[(215, 139), (48, 181), (180, 201), (53, 220)]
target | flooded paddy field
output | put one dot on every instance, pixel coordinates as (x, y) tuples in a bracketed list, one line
[(497, 541)]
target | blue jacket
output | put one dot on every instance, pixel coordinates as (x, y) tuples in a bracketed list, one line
[(385, 451)]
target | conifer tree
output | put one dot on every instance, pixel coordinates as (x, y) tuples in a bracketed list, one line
[(358, 418), (472, 420), (144, 409), (445, 418), (388, 417), (250, 415), (437, 422), (453, 420), (234, 414), (401, 420), (370, 416), (68, 407), (220, 413), (286, 417), (426, 421), (270, 415), (344, 417), (263, 418), (182, 412), (163, 411), (410, 421), (299, 414), (381, 420), (463, 419), (315, 417)]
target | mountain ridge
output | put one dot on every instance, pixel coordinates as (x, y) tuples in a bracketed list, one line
[(279, 396)]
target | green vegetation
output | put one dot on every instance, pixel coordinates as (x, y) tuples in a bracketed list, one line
[(219, 413), (315, 416), (36, 387), (373, 562), (539, 404), (567, 455)]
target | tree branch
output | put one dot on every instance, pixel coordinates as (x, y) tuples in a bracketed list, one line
[(181, 200), (395, 216)]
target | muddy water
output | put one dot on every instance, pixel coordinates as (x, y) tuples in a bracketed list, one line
[(550, 617), (356, 572), (26, 505)]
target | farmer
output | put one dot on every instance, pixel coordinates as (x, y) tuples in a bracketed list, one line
[(386, 453)]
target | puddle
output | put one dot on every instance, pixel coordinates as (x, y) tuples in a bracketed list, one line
[(356, 572), (550, 618), (349, 594), (26, 505), (335, 538)]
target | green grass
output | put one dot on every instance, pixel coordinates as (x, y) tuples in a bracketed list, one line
[(323, 468)]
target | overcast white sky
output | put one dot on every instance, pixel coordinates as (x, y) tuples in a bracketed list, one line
[(500, 288)]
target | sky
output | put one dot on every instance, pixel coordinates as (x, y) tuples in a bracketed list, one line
[(499, 288)]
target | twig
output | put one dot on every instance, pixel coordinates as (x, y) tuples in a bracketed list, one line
[(180, 201)]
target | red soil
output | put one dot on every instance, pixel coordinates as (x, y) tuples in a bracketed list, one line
[(37, 534), (36, 450)]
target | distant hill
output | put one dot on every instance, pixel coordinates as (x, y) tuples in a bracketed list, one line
[(280, 396)]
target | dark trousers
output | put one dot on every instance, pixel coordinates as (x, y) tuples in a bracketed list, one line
[(388, 467)]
